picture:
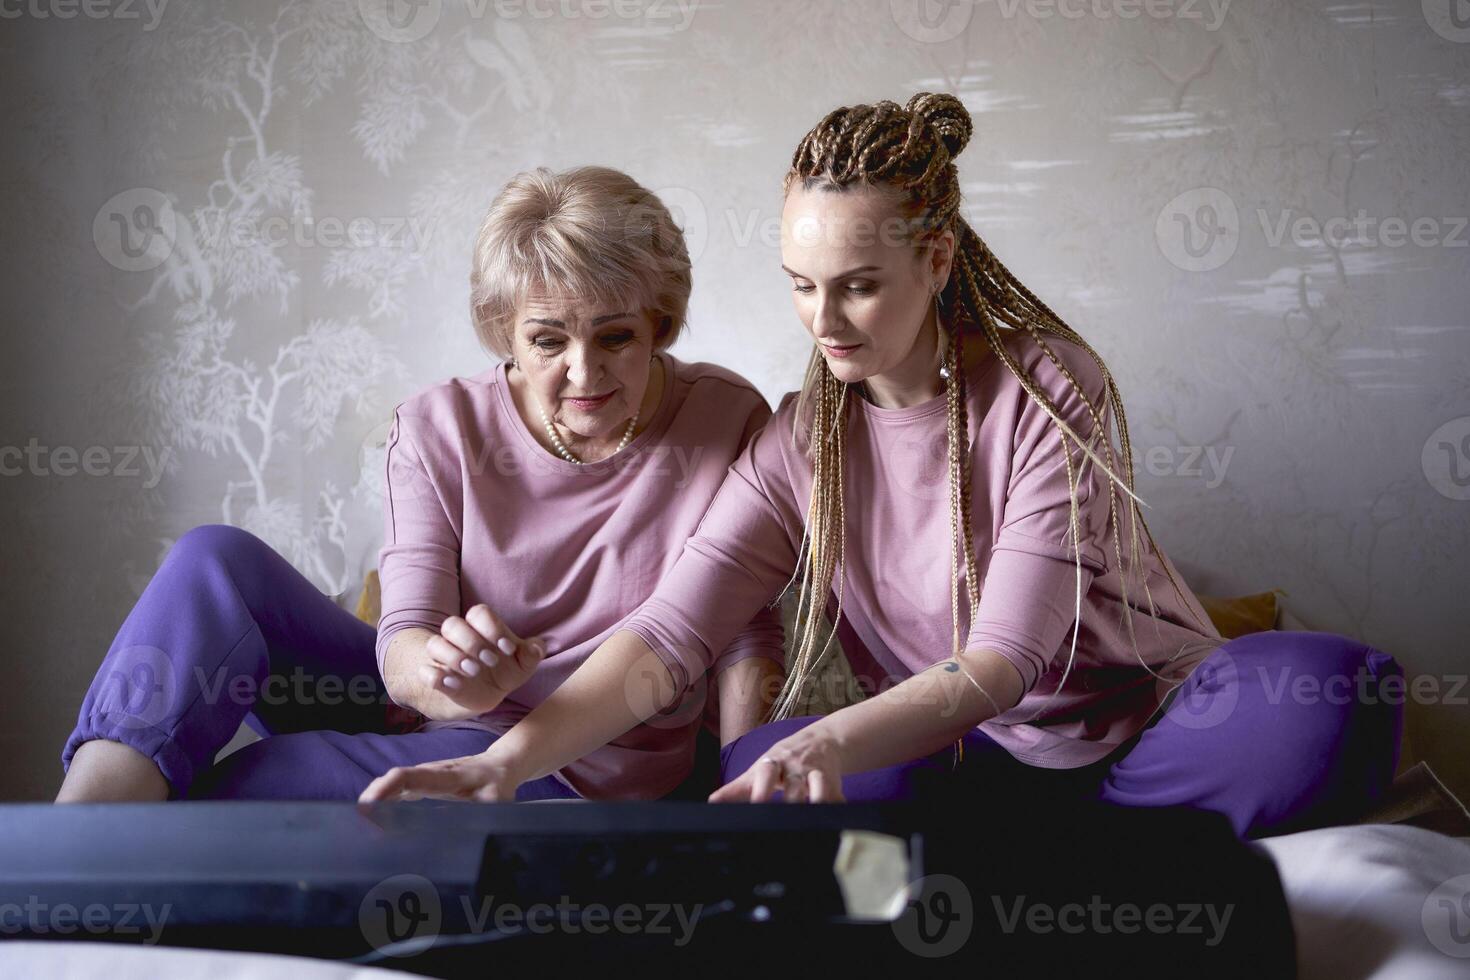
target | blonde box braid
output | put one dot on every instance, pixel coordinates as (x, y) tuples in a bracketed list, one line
[(911, 148)]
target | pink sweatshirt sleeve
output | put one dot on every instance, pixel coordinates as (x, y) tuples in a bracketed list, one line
[(418, 566), (1028, 600), (737, 562), (763, 636)]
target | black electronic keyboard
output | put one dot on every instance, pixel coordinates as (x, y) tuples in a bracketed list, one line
[(443, 888)]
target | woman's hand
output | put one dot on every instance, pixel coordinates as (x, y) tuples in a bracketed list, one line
[(805, 766), (477, 660), (481, 778)]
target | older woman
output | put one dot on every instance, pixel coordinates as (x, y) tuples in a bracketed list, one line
[(529, 510)]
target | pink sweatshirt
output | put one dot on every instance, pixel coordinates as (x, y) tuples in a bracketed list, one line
[(896, 606), (477, 511)]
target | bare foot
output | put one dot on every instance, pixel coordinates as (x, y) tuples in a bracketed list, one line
[(104, 771)]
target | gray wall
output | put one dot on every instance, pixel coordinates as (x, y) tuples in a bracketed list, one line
[(1300, 408)]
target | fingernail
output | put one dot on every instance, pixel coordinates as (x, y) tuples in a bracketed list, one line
[(487, 658), (452, 683), (506, 646), (469, 666)]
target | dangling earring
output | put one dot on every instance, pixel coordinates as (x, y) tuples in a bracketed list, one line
[(943, 335), (513, 361)]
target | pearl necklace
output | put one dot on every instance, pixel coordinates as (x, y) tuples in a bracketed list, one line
[(566, 454)]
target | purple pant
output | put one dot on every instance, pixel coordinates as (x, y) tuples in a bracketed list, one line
[(228, 631), (1279, 731)]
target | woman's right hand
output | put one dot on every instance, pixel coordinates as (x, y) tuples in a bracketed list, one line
[(476, 660)]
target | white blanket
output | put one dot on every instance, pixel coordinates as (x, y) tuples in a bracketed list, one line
[(1379, 901)]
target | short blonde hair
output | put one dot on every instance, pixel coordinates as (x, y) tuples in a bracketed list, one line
[(590, 232)]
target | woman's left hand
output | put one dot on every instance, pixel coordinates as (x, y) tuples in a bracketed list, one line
[(477, 778), (805, 766)]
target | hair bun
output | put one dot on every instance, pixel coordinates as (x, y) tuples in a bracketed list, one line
[(946, 115)]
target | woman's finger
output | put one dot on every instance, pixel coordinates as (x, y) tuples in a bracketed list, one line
[(439, 679), (490, 626), (793, 786), (735, 791), (530, 654), (460, 633), (822, 787), (766, 780), (420, 782), (444, 654)]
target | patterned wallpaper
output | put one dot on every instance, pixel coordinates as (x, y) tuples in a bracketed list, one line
[(238, 234)]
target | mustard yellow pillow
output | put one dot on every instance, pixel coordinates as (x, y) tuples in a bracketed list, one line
[(370, 602), (1239, 615)]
